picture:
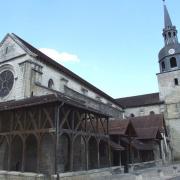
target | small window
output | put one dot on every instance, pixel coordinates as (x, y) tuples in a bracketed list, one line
[(169, 34), (165, 36), (174, 33), (173, 62), (176, 83), (132, 115), (84, 91), (163, 66), (152, 113), (6, 50), (50, 83)]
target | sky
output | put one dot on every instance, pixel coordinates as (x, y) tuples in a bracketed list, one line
[(113, 44)]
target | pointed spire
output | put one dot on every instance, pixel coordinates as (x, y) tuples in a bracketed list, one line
[(167, 19)]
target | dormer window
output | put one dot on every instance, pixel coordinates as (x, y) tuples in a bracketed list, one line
[(173, 62), (98, 98), (64, 80), (50, 84)]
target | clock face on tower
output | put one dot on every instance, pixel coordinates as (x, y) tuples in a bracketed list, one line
[(6, 82), (171, 51)]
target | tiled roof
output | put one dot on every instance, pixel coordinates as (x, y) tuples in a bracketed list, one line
[(41, 56), (146, 127), (121, 127), (148, 133), (141, 100), (150, 121)]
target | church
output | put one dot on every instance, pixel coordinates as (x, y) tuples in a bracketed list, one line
[(53, 121)]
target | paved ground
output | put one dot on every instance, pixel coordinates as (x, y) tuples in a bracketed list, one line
[(175, 178)]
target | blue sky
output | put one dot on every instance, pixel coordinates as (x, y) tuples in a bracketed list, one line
[(113, 44)]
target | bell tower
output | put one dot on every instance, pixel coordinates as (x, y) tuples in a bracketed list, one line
[(169, 82), (169, 59)]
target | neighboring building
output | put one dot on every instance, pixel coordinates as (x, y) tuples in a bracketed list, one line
[(142, 137), (142, 105), (167, 101)]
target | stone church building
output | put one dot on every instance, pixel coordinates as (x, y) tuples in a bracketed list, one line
[(53, 121)]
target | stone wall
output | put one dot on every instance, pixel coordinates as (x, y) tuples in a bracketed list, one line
[(144, 110)]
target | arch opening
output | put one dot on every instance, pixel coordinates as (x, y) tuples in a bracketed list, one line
[(103, 154), (64, 153), (46, 155), (92, 153), (4, 149), (173, 62), (16, 154), (79, 155), (31, 154)]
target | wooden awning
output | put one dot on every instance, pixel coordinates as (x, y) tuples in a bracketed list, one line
[(139, 145), (116, 147)]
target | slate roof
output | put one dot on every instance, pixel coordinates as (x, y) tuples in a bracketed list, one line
[(141, 100), (45, 59)]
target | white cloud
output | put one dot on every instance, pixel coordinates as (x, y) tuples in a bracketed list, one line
[(60, 57)]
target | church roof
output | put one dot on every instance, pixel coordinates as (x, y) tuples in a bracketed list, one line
[(45, 59), (141, 100), (167, 19)]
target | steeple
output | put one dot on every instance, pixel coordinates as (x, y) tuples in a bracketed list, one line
[(167, 19), (169, 31), (169, 55)]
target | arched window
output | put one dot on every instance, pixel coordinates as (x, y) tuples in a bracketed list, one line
[(50, 83), (169, 34), (176, 83), (152, 113), (163, 66), (173, 62), (174, 33), (132, 115)]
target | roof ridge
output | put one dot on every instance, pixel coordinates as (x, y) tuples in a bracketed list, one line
[(138, 95)]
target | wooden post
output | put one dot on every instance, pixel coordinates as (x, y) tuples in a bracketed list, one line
[(109, 153), (98, 154), (9, 154), (57, 109), (107, 126), (23, 155), (38, 155), (71, 156), (119, 142), (87, 156)]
